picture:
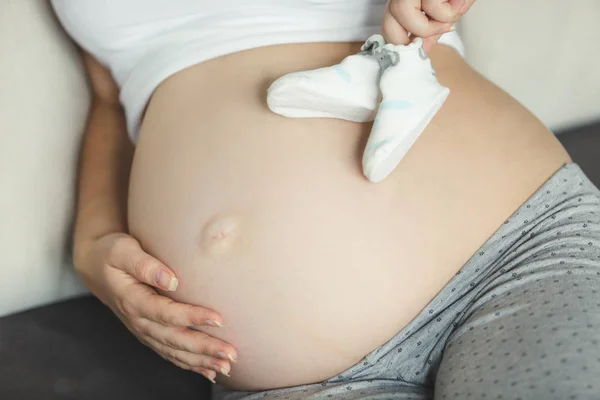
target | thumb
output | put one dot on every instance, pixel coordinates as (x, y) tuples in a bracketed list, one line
[(466, 7), (127, 255)]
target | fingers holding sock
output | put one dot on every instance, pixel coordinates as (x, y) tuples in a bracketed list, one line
[(402, 75)]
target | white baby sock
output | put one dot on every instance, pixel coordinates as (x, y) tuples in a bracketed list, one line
[(348, 90), (411, 98)]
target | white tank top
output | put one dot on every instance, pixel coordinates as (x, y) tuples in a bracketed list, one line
[(143, 42)]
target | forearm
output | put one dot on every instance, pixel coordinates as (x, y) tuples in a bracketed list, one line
[(105, 164)]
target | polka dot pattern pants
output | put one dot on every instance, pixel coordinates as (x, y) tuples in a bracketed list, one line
[(520, 320)]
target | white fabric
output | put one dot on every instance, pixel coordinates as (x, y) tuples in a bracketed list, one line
[(143, 42), (348, 90), (411, 98), (43, 106)]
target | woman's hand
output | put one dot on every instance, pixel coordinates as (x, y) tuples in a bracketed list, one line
[(427, 19), (116, 269)]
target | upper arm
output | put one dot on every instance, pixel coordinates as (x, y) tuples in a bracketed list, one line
[(103, 85)]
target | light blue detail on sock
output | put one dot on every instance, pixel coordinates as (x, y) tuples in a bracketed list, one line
[(395, 105), (374, 146), (342, 73)]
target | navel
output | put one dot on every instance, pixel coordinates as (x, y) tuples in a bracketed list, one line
[(219, 235)]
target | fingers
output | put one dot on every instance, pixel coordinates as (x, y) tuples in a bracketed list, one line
[(430, 42), (187, 340), (126, 254), (444, 10), (165, 311), (140, 301), (207, 373), (189, 360), (409, 15), (466, 7), (404, 19), (392, 31)]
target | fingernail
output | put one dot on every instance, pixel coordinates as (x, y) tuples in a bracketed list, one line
[(165, 280), (213, 323), (225, 356), (210, 378), (173, 284), (225, 372), (452, 28)]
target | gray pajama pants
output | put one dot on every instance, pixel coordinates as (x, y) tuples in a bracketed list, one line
[(520, 320)]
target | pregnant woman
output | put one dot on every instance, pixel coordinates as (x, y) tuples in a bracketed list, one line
[(471, 271)]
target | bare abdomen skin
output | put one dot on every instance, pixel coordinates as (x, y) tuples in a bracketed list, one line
[(270, 221)]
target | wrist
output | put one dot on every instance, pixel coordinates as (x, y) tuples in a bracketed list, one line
[(95, 220), (81, 252)]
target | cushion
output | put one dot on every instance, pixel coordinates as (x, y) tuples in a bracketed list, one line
[(544, 53), (44, 100)]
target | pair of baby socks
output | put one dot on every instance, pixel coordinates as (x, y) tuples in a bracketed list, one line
[(394, 86)]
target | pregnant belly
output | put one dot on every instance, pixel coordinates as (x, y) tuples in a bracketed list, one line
[(280, 234), (270, 222)]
